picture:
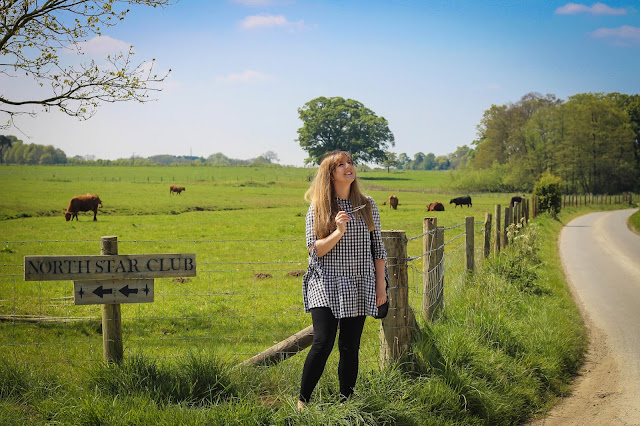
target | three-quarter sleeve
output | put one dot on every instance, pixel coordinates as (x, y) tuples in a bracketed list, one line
[(376, 237), (309, 227)]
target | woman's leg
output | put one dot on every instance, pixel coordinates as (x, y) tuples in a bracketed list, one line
[(325, 326), (349, 345)]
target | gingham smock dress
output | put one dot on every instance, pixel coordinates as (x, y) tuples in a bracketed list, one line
[(344, 279)]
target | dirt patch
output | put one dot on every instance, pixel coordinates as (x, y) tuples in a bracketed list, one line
[(262, 276)]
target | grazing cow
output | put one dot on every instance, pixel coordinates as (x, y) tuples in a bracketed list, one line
[(393, 202), (177, 189), (436, 206), (83, 203), (515, 199), (461, 201)]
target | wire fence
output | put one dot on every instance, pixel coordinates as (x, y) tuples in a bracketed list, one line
[(237, 306)]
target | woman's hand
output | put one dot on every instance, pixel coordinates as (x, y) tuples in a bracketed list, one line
[(381, 293), (381, 284), (342, 218), (324, 245)]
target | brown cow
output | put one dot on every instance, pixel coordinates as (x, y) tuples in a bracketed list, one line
[(436, 206), (177, 189), (83, 203), (393, 202)]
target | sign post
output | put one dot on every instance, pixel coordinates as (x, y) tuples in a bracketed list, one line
[(112, 347), (110, 279)]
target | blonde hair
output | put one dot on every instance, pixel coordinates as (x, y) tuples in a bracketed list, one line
[(322, 195)]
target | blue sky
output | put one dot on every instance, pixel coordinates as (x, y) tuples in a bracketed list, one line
[(242, 68)]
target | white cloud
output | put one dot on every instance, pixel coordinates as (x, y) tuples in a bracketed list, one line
[(269, 21), (248, 76), (622, 36), (102, 45), (596, 9)]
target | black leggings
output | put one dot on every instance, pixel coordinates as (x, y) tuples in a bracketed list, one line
[(325, 327)]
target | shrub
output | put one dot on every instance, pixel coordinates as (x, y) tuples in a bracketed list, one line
[(549, 192)]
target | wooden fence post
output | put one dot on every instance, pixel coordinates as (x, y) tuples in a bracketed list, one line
[(111, 317), (508, 216), (521, 212), (496, 248), (430, 278), (470, 234), (487, 234), (396, 328), (533, 207), (439, 302)]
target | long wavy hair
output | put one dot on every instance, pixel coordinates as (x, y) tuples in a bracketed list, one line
[(322, 195)]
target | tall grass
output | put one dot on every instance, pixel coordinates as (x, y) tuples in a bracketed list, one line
[(634, 222)]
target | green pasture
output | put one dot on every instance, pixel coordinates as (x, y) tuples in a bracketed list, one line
[(35, 191), (239, 221), (509, 339)]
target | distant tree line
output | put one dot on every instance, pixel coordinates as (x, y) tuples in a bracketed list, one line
[(15, 151), (420, 161)]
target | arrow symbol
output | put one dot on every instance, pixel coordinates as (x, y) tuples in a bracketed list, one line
[(101, 292), (127, 291)]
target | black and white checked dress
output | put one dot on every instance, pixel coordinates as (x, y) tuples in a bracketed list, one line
[(344, 278)]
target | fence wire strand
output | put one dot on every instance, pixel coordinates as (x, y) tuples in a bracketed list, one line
[(242, 306)]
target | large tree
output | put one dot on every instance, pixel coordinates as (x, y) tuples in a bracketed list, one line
[(391, 161), (32, 35), (501, 132), (598, 143), (336, 123)]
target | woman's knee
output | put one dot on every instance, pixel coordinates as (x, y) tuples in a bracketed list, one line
[(322, 346), (349, 348)]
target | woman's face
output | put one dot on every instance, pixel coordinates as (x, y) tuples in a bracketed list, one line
[(345, 172)]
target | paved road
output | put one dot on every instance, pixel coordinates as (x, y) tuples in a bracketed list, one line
[(601, 257)]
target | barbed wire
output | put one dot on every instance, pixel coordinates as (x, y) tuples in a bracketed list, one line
[(214, 288), (162, 241)]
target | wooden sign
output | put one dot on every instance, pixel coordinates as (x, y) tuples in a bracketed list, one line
[(100, 292), (116, 267)]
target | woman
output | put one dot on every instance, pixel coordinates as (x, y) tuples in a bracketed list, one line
[(344, 283)]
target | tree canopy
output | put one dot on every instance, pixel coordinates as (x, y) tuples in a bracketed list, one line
[(336, 123), (590, 141), (32, 35)]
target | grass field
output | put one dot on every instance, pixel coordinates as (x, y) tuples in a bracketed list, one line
[(239, 221), (497, 356)]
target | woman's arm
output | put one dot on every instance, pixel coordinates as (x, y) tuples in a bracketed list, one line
[(324, 245), (380, 255), (381, 285)]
